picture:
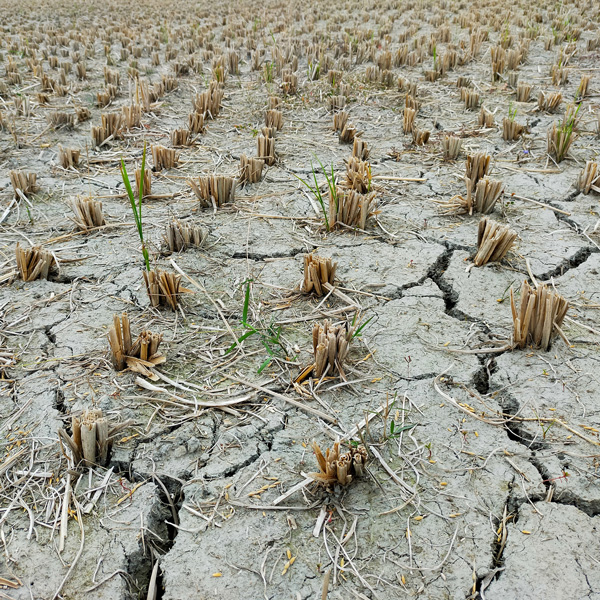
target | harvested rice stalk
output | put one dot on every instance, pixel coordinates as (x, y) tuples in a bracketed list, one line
[(470, 98), (59, 120), (266, 149), (420, 136), (340, 120), (180, 236), (493, 242), (83, 114), (196, 123), (451, 146), (336, 103), (68, 157), (132, 116), (250, 169), (511, 130), (477, 166), (274, 102), (181, 137), (274, 119), (26, 183), (350, 208), (331, 344), (487, 192), (139, 356), (409, 120), (348, 133), (589, 178), (486, 118), (549, 102), (562, 136), (110, 128), (360, 149), (540, 316), (88, 213), (208, 103), (214, 189), (147, 189), (164, 158), (164, 289), (523, 92), (289, 83), (318, 271), (336, 468), (33, 263), (358, 175), (92, 438), (582, 90)]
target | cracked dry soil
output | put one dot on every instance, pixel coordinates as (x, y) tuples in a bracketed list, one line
[(483, 478)]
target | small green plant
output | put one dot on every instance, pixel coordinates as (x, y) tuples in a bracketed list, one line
[(269, 336), (137, 210), (268, 72), (316, 189), (560, 138), (434, 58), (359, 329), (314, 70), (512, 112)]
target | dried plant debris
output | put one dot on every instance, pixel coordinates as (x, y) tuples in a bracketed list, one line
[(539, 318), (88, 213), (250, 169), (180, 236), (350, 208), (494, 240), (549, 102), (68, 157), (34, 263), (92, 438), (319, 274), (164, 289), (181, 137), (164, 158), (358, 175), (336, 468), (141, 355), (274, 119), (486, 118), (360, 149), (214, 190), (589, 178), (420, 137), (409, 120), (266, 149), (477, 166), (511, 130), (147, 189), (331, 344), (25, 183), (451, 146)]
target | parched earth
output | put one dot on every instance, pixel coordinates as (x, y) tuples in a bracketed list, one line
[(483, 472)]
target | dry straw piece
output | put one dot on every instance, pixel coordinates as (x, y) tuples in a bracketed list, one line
[(25, 183), (477, 166), (487, 192), (214, 190), (59, 120), (140, 355), (336, 468), (92, 438), (88, 213), (68, 157), (180, 236), (358, 175), (494, 240), (331, 344), (274, 119), (589, 178), (319, 274), (250, 169), (266, 149), (451, 146), (541, 314), (208, 103), (164, 158), (350, 208), (164, 289), (33, 263)]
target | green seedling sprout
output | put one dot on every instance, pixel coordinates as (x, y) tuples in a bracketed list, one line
[(137, 210)]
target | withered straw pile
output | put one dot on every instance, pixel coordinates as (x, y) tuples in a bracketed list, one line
[(319, 274), (549, 102), (339, 468), (26, 183), (350, 208), (164, 289), (88, 213), (493, 242), (358, 175), (33, 263), (331, 344), (92, 438), (140, 355), (180, 236), (68, 157), (589, 178), (214, 189), (250, 169), (540, 316)]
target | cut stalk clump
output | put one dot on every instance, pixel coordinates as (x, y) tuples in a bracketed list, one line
[(589, 178), (358, 175), (68, 157), (337, 103), (408, 122), (208, 103), (110, 128), (451, 146), (274, 119), (331, 344), (180, 236), (250, 169), (493, 242), (470, 98), (60, 120), (147, 187), (164, 289), (511, 130), (25, 183), (360, 149), (561, 137), (92, 438), (214, 190), (477, 166), (88, 213), (196, 123), (34, 263), (266, 149), (350, 208), (486, 118), (289, 83), (549, 102), (181, 138), (164, 158), (336, 468), (523, 92), (487, 192), (140, 355), (540, 316), (420, 136), (132, 116), (319, 274)]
